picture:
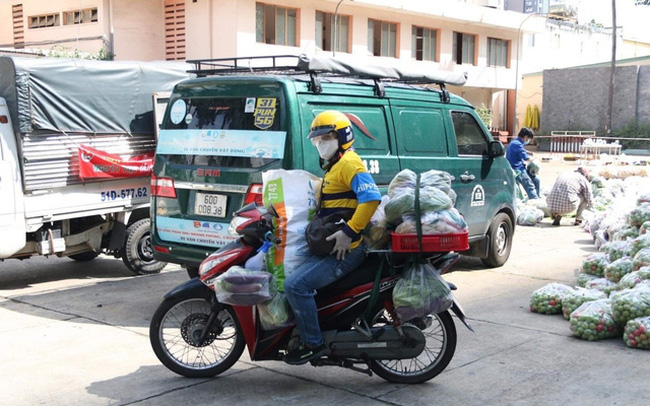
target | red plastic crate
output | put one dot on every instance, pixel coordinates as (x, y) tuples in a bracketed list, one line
[(430, 242)]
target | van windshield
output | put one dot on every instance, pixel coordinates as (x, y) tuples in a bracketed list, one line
[(241, 118)]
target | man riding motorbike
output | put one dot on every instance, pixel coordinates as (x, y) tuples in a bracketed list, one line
[(347, 187)]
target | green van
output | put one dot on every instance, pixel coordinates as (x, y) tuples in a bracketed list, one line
[(240, 118)]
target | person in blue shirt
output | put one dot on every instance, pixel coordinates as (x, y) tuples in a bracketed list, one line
[(517, 155)]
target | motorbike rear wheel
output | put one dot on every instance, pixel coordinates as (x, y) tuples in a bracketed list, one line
[(175, 331), (438, 351)]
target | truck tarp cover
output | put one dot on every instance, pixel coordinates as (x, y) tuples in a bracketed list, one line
[(72, 95)]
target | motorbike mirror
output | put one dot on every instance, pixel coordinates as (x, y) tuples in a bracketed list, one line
[(271, 209)]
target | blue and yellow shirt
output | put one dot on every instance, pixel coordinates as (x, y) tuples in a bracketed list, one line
[(347, 186)]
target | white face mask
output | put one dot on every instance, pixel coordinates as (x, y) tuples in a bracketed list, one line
[(327, 149)]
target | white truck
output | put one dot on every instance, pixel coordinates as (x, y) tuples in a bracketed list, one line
[(76, 147)]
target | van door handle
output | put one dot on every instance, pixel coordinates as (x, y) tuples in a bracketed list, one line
[(466, 177)]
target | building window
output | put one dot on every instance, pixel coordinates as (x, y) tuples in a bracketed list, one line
[(382, 38), (174, 30), (44, 20), (464, 48), (498, 52), (424, 43), (82, 16), (275, 25), (325, 31)]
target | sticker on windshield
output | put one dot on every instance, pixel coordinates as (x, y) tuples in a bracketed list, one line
[(478, 196), (177, 112), (188, 119), (250, 105), (265, 112), (238, 143)]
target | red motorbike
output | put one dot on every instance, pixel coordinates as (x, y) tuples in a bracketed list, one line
[(195, 336)]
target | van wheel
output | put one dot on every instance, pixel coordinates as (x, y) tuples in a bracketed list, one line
[(137, 253), (84, 256), (500, 233)]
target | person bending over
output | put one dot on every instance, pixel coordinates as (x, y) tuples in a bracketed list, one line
[(571, 192)]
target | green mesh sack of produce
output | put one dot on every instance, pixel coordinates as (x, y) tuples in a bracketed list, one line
[(639, 243), (641, 259), (637, 333), (583, 278), (629, 304), (595, 264), (593, 321), (603, 285), (548, 299), (574, 299), (615, 271)]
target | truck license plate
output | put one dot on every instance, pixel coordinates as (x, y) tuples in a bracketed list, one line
[(210, 205)]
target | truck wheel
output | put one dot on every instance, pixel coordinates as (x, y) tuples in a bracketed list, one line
[(137, 253), (500, 233), (84, 256)]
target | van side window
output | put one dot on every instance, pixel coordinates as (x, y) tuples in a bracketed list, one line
[(423, 130), (469, 137)]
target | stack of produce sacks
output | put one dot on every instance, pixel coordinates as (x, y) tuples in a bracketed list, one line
[(438, 216), (633, 278), (637, 333), (629, 304), (641, 259), (574, 299)]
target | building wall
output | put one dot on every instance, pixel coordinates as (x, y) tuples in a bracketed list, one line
[(576, 99), (139, 30)]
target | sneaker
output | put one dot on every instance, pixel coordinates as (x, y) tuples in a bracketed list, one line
[(556, 219), (303, 354), (577, 222)]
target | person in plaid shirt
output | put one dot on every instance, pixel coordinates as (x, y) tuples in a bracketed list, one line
[(571, 192)]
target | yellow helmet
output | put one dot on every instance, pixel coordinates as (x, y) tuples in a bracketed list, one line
[(333, 120)]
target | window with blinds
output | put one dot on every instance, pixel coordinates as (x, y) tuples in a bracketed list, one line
[(276, 25), (325, 28), (497, 52), (382, 38), (424, 44), (174, 30), (464, 48)]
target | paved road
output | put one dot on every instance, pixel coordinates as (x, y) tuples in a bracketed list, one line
[(76, 334)]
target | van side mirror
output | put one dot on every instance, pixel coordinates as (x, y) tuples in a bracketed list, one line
[(496, 149)]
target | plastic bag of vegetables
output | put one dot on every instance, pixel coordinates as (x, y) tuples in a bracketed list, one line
[(639, 243), (574, 299), (634, 278), (405, 180), (548, 299), (639, 215), (618, 249), (593, 321), (603, 285), (637, 333), (241, 287), (644, 198), (595, 264), (626, 233), (431, 199), (629, 304), (435, 222), (376, 234), (276, 313), (615, 271), (641, 259), (421, 291), (529, 216), (583, 278), (644, 228)]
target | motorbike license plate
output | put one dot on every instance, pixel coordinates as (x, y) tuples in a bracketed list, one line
[(206, 204)]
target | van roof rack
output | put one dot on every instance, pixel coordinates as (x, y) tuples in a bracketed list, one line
[(318, 66)]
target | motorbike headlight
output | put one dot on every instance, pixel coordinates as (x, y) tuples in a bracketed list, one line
[(236, 222), (212, 262)]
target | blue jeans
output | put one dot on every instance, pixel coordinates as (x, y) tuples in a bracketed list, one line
[(300, 289), (530, 186)]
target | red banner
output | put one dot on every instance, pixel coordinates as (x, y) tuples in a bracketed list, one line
[(94, 163)]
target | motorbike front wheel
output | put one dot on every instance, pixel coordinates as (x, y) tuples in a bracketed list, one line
[(440, 333), (175, 331)]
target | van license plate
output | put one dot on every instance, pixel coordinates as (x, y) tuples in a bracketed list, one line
[(212, 205)]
